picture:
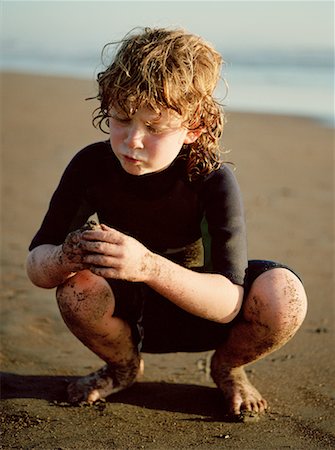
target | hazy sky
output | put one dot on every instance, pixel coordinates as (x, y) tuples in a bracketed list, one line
[(88, 25)]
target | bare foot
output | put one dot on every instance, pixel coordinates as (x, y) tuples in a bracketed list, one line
[(243, 399), (104, 382)]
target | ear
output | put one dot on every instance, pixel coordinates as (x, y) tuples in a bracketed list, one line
[(192, 135)]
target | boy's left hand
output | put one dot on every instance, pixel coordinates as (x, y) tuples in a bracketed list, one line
[(112, 254)]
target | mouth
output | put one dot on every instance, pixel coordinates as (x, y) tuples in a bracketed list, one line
[(131, 160)]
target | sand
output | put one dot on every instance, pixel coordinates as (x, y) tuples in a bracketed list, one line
[(285, 169)]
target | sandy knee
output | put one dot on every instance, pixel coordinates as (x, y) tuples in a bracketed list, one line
[(85, 297), (277, 300)]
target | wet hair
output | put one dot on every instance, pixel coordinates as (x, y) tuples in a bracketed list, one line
[(162, 68)]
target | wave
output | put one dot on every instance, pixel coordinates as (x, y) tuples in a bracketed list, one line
[(280, 81)]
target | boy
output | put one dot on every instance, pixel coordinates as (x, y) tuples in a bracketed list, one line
[(139, 281)]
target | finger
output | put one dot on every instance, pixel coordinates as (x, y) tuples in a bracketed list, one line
[(106, 272), (105, 227), (104, 248), (71, 243), (73, 249), (73, 237), (112, 236), (103, 261), (70, 251)]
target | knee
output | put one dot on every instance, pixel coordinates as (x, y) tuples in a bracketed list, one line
[(278, 299), (85, 297)]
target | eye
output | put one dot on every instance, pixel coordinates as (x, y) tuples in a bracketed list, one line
[(152, 128)]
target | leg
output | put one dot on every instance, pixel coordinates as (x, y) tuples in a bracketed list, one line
[(272, 313), (87, 304)]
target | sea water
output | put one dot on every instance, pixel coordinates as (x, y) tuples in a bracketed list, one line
[(282, 82), (295, 83)]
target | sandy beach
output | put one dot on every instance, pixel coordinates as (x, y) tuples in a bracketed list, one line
[(285, 166)]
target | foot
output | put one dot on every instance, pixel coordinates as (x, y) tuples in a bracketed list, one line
[(104, 382), (242, 398)]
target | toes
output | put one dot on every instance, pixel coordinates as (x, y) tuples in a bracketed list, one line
[(250, 411), (93, 396), (254, 406), (247, 407), (235, 410), (263, 405), (257, 406)]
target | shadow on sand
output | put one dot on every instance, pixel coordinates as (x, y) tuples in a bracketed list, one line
[(183, 398)]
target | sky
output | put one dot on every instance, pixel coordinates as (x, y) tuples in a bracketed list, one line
[(86, 26)]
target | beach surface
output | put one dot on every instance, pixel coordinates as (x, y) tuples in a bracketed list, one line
[(285, 167)]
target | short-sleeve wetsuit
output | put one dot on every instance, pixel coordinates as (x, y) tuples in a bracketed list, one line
[(171, 216)]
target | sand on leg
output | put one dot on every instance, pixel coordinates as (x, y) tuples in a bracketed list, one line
[(272, 313), (87, 304)]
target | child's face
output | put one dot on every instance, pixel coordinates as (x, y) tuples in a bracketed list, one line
[(146, 142)]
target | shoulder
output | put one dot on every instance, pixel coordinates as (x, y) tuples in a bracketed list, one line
[(223, 178), (225, 172)]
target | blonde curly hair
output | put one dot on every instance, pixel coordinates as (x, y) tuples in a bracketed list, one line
[(163, 68)]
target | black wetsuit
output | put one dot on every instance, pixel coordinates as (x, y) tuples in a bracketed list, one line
[(169, 215)]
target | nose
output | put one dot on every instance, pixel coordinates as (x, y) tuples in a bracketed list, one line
[(134, 139)]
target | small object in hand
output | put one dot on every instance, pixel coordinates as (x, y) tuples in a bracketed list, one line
[(90, 225)]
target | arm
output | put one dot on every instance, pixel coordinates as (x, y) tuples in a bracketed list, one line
[(112, 254), (211, 296), (49, 265), (44, 266), (69, 208)]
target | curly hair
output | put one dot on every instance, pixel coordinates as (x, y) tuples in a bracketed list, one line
[(162, 68)]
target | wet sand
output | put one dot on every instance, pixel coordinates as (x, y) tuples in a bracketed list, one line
[(285, 168)]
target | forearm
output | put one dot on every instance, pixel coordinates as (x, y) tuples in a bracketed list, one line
[(111, 254), (211, 296), (46, 267)]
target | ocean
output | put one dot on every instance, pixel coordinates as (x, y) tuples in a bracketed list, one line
[(292, 82)]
